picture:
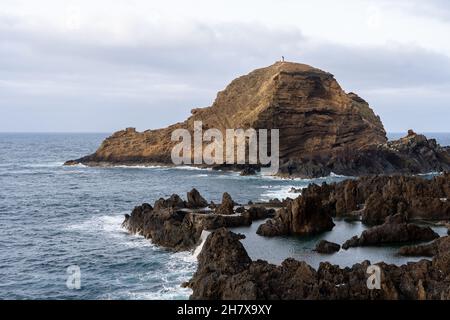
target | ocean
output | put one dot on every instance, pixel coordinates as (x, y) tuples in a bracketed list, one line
[(52, 217)]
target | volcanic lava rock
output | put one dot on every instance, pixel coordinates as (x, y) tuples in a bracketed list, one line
[(409, 155), (258, 212), (316, 119), (394, 230), (227, 205), (324, 246), (438, 246), (195, 200), (303, 216), (225, 271), (173, 224), (374, 198), (322, 129)]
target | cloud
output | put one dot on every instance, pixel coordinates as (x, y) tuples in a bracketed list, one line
[(150, 73)]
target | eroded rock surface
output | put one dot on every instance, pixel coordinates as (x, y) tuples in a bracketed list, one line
[(172, 223), (305, 215), (394, 230), (225, 271)]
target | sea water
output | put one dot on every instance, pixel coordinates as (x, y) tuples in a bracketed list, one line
[(53, 217)]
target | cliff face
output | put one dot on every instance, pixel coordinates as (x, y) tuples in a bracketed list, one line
[(316, 118)]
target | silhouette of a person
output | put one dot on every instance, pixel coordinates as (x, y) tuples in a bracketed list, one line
[(282, 58)]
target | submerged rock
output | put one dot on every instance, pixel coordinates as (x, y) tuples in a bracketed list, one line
[(225, 271)]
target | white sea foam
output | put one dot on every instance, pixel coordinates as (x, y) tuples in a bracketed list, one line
[(280, 192), (432, 173), (199, 248), (45, 165), (201, 175)]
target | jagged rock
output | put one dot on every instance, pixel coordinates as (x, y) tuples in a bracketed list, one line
[(409, 155), (373, 198), (227, 205), (195, 200), (259, 212), (440, 245), (174, 201), (394, 230), (169, 224), (225, 271), (303, 216), (324, 246)]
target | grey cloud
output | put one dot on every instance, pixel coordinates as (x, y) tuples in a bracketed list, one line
[(74, 80)]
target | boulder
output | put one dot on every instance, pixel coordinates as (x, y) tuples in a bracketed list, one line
[(324, 246), (303, 216)]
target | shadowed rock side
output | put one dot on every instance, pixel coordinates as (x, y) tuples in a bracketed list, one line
[(225, 271), (306, 215), (394, 230), (371, 199), (175, 224), (439, 246)]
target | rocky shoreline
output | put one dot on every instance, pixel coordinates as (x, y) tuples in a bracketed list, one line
[(225, 271), (322, 130), (392, 205), (177, 224)]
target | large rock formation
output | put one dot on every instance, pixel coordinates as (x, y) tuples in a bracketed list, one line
[(316, 119), (306, 215), (439, 246), (225, 271), (411, 154), (173, 224), (372, 199), (322, 128)]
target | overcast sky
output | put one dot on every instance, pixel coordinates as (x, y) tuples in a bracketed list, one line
[(100, 66)]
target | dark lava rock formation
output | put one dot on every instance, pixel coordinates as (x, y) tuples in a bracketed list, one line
[(439, 246), (303, 216), (371, 199), (394, 230), (225, 271), (173, 224), (227, 205), (324, 246)]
